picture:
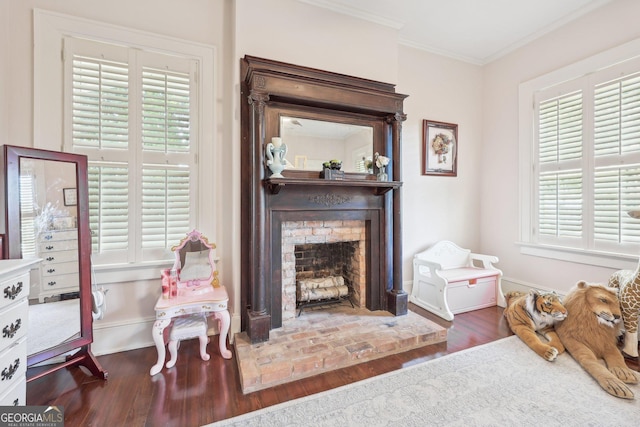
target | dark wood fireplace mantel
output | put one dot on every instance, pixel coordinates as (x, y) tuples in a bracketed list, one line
[(268, 88), (378, 187)]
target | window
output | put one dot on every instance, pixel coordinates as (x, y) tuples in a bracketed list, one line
[(130, 112), (133, 103), (584, 156)]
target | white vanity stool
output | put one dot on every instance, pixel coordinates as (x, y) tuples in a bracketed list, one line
[(194, 326)]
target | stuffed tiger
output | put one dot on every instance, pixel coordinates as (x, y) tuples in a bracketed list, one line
[(528, 313)]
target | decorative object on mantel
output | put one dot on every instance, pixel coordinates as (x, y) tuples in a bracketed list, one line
[(381, 163), (331, 170), (276, 150), (368, 164), (439, 148)]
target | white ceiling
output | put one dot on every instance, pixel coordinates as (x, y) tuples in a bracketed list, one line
[(475, 31)]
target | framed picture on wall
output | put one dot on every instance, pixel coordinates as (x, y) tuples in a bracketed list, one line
[(439, 148), (70, 196)]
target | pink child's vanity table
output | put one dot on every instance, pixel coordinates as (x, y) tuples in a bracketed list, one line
[(198, 293)]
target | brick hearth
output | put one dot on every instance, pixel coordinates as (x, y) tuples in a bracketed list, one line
[(325, 339)]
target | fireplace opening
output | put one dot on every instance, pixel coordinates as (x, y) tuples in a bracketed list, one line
[(326, 273), (331, 251)]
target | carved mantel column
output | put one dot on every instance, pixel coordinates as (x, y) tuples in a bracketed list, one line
[(397, 298), (259, 319)]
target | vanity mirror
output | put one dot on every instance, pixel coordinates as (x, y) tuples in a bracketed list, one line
[(46, 216), (312, 142)]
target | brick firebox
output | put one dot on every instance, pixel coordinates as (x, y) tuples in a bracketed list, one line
[(296, 233)]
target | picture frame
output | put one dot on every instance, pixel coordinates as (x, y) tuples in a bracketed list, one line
[(439, 148), (70, 196)]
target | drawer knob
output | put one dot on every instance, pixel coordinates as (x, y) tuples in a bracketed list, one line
[(51, 283), (9, 331), (51, 270), (7, 373), (13, 291)]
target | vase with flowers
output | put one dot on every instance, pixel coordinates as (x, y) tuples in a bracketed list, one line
[(381, 163)]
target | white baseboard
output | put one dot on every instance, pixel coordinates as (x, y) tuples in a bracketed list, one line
[(114, 337), (509, 285)]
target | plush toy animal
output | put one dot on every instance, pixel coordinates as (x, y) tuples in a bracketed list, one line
[(590, 333), (528, 313), (627, 282)]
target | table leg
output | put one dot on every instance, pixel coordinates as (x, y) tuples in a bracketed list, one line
[(224, 321), (158, 339)]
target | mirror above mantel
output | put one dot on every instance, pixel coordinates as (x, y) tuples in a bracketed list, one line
[(311, 142)]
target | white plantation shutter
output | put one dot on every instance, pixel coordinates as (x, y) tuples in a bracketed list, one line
[(617, 168), (27, 213), (165, 205), (560, 199), (100, 103), (133, 115), (560, 191), (617, 116), (560, 128), (588, 161), (617, 191), (165, 111), (109, 207)]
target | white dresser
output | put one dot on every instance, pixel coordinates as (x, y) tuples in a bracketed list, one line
[(58, 250), (14, 310)]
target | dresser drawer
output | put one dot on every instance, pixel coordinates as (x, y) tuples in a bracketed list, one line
[(13, 323), (64, 281), (14, 289), (13, 364), (16, 395), (59, 269), (55, 257), (54, 245), (52, 236)]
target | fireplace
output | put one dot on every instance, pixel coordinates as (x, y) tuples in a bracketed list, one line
[(321, 249), (269, 90)]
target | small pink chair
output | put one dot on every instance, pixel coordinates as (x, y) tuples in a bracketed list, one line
[(194, 326)]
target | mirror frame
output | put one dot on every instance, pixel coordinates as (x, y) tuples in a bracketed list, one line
[(12, 157), (276, 110)]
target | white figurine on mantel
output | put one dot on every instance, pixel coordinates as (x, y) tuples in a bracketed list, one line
[(275, 151)]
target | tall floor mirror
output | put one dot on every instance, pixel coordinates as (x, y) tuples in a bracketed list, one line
[(47, 217)]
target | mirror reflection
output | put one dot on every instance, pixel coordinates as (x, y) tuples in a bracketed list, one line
[(313, 142), (48, 230)]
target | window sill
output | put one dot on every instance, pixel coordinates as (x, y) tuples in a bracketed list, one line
[(118, 273), (595, 258)]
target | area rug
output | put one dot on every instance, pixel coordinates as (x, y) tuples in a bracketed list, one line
[(502, 383)]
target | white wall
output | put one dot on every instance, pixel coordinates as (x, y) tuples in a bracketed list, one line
[(439, 207), (604, 28)]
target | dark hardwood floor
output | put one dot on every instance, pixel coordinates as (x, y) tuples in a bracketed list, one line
[(196, 393)]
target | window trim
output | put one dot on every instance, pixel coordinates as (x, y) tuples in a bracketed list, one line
[(50, 29), (526, 134)]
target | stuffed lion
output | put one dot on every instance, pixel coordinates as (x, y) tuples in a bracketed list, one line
[(590, 332)]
